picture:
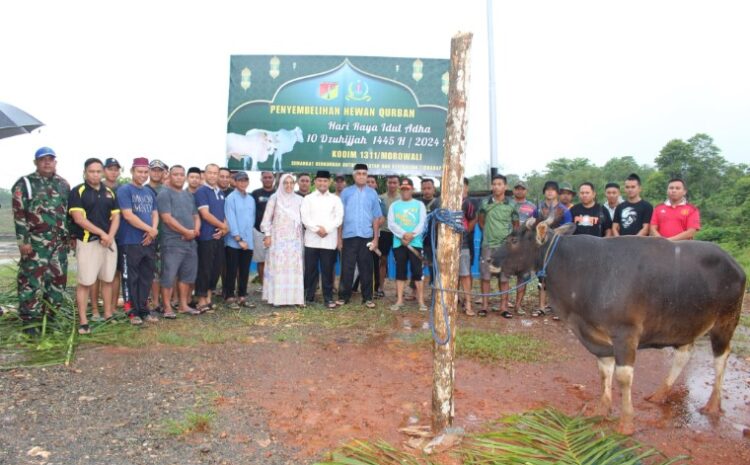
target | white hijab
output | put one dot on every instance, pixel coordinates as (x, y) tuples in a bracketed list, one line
[(288, 203)]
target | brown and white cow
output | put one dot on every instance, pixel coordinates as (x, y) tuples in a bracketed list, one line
[(622, 294)]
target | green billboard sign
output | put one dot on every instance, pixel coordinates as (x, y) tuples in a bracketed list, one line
[(308, 113)]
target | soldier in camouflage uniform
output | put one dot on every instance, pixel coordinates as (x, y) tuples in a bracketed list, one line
[(40, 205)]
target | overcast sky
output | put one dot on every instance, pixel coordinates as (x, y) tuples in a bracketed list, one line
[(577, 78)]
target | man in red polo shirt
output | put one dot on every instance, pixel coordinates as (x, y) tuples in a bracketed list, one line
[(676, 219)]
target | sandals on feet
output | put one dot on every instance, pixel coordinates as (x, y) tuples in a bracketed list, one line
[(135, 320), (203, 308), (370, 304), (84, 329), (423, 308), (170, 315), (397, 307), (506, 314), (189, 311), (482, 312), (331, 304), (537, 312)]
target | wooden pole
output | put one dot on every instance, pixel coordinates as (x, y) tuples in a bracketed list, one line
[(449, 241)]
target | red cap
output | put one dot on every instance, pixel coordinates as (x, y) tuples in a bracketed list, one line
[(140, 162)]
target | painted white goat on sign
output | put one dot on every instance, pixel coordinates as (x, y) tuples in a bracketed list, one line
[(284, 140), (256, 144)]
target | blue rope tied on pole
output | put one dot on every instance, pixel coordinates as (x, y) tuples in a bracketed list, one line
[(454, 220)]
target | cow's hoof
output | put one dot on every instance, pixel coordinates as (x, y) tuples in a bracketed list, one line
[(658, 397), (711, 409), (625, 428), (601, 410)]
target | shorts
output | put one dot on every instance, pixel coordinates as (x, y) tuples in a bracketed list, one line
[(485, 260), (179, 263), (385, 243), (259, 250), (95, 262), (464, 263), (405, 257), (157, 260)]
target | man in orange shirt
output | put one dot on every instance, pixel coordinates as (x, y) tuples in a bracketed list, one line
[(676, 219)]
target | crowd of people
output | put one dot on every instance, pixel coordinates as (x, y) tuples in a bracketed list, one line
[(170, 234)]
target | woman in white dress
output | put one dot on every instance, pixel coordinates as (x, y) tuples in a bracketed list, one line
[(283, 280)]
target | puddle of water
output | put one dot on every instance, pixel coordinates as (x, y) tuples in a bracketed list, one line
[(694, 388)]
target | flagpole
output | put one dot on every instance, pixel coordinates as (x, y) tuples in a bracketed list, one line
[(494, 162)]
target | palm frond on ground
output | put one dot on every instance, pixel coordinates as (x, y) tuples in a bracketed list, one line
[(546, 437), (54, 340)]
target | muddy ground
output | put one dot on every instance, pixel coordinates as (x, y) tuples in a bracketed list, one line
[(285, 393)]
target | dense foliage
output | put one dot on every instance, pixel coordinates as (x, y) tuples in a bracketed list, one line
[(719, 188)]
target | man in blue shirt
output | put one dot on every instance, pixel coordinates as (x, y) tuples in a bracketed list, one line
[(359, 232), (239, 208), (136, 242), (210, 202)]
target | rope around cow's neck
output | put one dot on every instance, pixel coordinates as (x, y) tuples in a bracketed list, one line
[(454, 220)]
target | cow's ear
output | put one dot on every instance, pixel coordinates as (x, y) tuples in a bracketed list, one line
[(529, 224), (566, 229), (541, 232)]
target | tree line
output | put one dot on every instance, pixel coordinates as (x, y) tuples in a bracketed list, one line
[(719, 188)]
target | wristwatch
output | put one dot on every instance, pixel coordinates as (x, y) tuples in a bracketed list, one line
[(238, 238)]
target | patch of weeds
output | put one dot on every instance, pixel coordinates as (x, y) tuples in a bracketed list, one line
[(490, 347), (288, 334), (197, 419), (745, 320), (191, 422), (213, 336), (245, 319), (493, 347), (348, 317), (741, 344), (173, 338)]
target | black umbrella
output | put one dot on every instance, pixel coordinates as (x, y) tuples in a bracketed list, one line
[(14, 121)]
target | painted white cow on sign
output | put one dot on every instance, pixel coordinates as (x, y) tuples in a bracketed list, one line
[(255, 144), (284, 140)]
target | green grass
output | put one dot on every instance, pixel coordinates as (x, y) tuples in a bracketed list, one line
[(741, 344), (491, 347), (7, 227), (290, 334), (745, 320), (191, 422), (197, 419)]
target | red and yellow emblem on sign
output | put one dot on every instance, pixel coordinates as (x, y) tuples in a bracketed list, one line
[(328, 90)]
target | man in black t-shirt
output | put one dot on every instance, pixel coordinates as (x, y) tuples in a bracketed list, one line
[(632, 217), (261, 197), (96, 218), (591, 218)]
